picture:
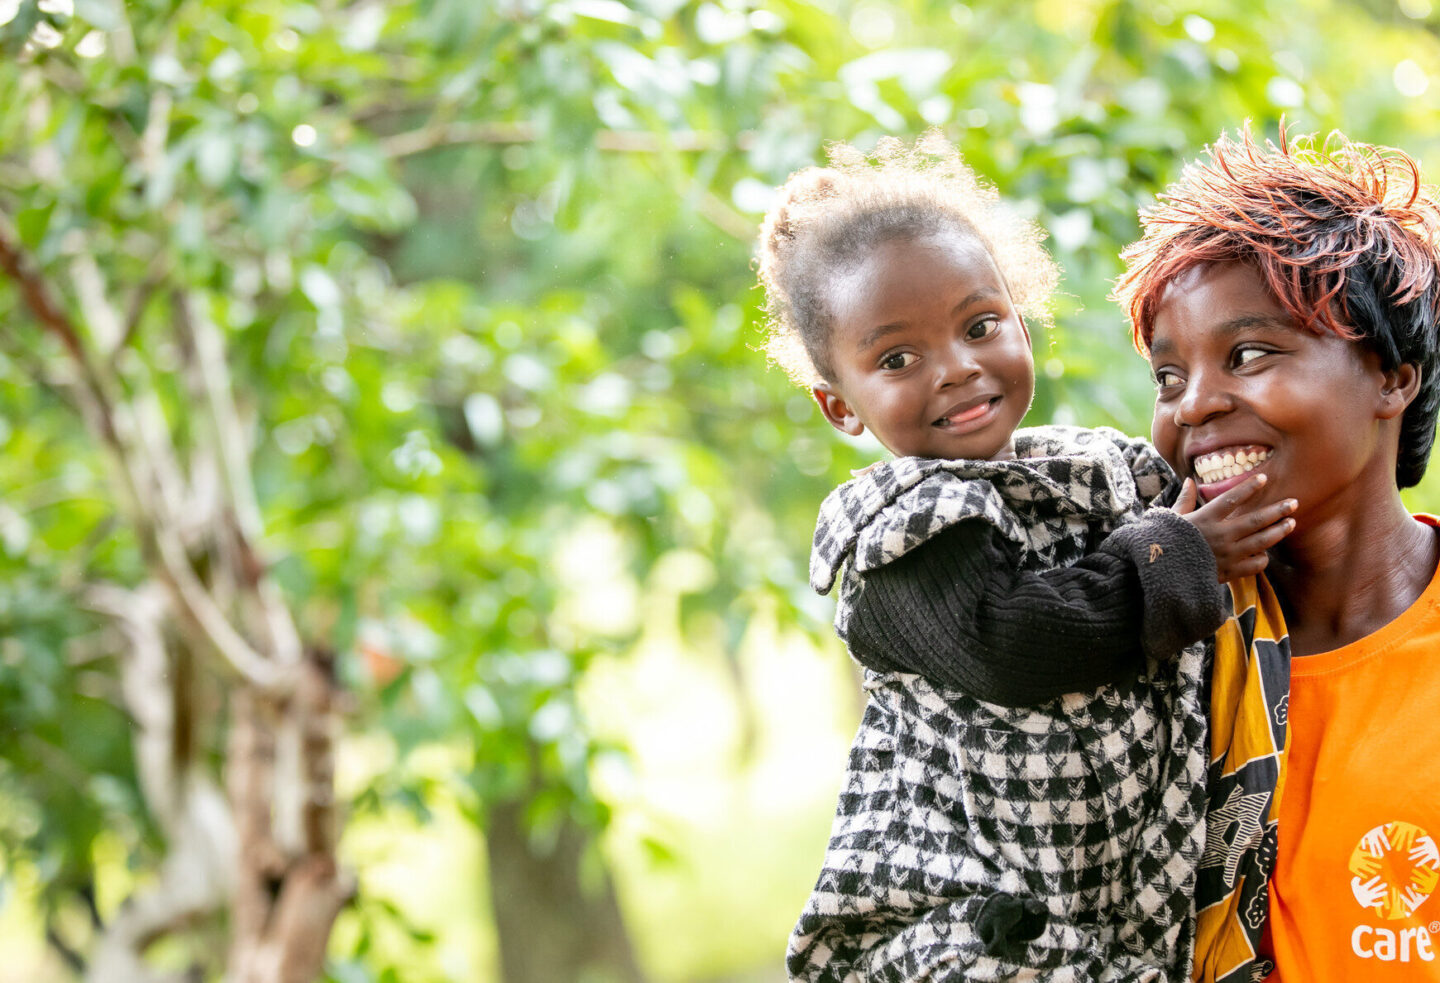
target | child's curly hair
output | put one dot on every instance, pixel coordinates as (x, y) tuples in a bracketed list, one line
[(829, 218), (1344, 234)]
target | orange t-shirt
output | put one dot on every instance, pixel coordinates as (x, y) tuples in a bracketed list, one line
[(1354, 895)]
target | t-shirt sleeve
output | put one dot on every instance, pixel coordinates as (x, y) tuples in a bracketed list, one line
[(958, 611)]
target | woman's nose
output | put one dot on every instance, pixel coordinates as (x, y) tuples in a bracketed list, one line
[(1201, 401)]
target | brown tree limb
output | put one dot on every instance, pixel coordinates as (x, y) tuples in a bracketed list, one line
[(37, 295), (240, 523), (186, 804), (710, 206), (67, 953), (113, 423), (437, 136), (138, 300), (287, 895)]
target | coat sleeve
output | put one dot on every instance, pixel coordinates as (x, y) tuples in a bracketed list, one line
[(958, 611), (1150, 471)]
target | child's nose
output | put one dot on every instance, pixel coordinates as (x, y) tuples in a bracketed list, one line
[(958, 367)]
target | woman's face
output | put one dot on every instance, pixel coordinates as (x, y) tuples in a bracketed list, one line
[(1239, 383)]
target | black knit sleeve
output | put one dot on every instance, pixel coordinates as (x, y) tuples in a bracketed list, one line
[(958, 611)]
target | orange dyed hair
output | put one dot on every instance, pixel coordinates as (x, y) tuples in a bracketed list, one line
[(1303, 214)]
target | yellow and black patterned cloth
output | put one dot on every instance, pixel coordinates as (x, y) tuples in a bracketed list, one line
[(1249, 699)]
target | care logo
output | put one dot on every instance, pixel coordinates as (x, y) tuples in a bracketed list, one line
[(1394, 869)]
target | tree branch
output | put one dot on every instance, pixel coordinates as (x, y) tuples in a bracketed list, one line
[(710, 206), (37, 296), (241, 525), (108, 418), (68, 955), (434, 137), (136, 310)]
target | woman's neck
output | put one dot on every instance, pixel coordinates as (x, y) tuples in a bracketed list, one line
[(1351, 572)]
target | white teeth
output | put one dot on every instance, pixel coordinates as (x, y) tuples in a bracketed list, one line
[(1228, 464)]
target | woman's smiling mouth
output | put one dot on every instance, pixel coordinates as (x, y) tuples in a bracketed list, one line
[(1229, 462)]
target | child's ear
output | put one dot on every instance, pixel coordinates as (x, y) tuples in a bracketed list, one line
[(836, 410), (1025, 328), (1400, 388)]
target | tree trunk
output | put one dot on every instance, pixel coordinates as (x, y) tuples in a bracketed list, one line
[(553, 927), (289, 887)]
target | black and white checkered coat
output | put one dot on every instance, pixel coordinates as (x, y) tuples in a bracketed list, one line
[(1092, 803)]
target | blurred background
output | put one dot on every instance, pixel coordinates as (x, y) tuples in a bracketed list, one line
[(402, 542)]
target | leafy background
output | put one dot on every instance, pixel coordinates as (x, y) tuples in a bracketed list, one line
[(483, 273)]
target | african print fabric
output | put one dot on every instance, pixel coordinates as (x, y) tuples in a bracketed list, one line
[(1249, 699), (1092, 803)]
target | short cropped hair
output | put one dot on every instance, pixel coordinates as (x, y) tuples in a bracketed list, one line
[(1345, 235), (827, 220)]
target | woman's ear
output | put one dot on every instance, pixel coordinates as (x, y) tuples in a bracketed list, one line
[(1401, 385), (836, 410)]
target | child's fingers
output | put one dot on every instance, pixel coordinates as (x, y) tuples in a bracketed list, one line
[(1262, 517), (1264, 539), (1223, 505), (1189, 497), (1247, 567)]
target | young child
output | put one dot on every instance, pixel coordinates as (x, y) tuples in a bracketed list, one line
[(1001, 815)]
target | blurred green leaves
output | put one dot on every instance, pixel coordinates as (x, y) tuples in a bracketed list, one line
[(483, 272)]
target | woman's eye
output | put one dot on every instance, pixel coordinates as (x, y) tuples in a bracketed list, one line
[(897, 360), (1244, 356), (1166, 379), (982, 329)]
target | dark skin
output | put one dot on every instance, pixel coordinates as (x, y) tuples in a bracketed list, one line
[(1351, 589), (1234, 371), (930, 355)]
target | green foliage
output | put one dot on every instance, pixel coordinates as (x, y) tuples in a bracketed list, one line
[(484, 275)]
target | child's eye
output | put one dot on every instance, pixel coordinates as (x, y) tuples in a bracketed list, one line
[(897, 360), (982, 329)]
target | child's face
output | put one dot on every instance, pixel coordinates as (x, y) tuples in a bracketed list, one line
[(928, 351), (1236, 377)]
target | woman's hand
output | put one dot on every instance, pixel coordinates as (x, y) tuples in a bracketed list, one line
[(1237, 537)]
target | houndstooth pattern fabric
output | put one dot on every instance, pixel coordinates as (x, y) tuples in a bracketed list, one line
[(1066, 489), (1092, 803)]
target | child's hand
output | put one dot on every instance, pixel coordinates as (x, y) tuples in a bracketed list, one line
[(1238, 538)]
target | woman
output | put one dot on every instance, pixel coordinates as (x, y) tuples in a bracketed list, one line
[(1287, 299)]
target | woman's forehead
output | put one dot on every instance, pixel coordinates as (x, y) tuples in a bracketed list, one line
[(1213, 292)]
